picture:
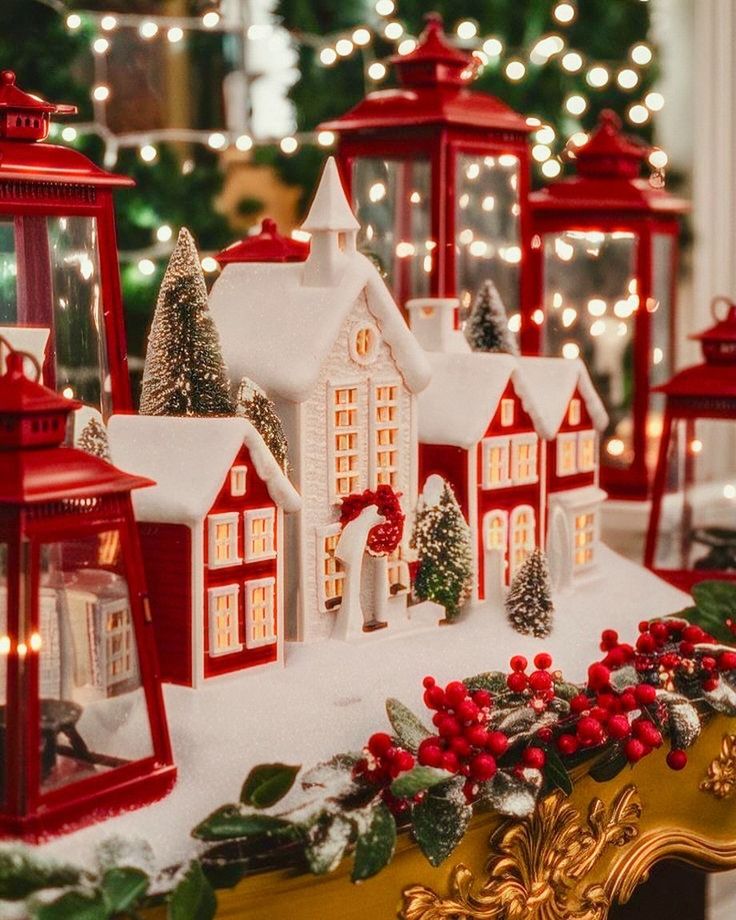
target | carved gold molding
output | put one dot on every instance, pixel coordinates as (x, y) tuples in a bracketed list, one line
[(721, 775), (538, 866)]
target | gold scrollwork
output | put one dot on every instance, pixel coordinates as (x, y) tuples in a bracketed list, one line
[(538, 866), (721, 776)]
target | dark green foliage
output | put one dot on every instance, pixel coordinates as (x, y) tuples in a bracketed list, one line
[(714, 609), (529, 602), (193, 898), (487, 327), (253, 404), (375, 846), (267, 784)]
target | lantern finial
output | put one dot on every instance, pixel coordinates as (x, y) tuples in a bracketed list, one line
[(434, 61), (609, 153), (23, 116), (719, 341)]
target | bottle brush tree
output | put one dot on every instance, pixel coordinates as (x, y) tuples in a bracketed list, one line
[(253, 404), (529, 601), (487, 327)]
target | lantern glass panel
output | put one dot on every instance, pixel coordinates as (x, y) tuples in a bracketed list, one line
[(394, 208), (697, 522), (487, 228), (8, 273), (590, 303), (93, 708), (4, 649)]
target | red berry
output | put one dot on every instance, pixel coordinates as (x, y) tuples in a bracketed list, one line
[(482, 698), (727, 661), (476, 735), (628, 701), (450, 761), (540, 681), (615, 658), (710, 684), (567, 745), (677, 760), (469, 790), (482, 767), (693, 634), (497, 743), (599, 714), (449, 727), (437, 718), (467, 711), (646, 643), (598, 677), (455, 692), (643, 626), (659, 630), (534, 757), (618, 727), (518, 663), (580, 703), (517, 682), (670, 661), (647, 732), (429, 682), (635, 750), (430, 753), (589, 730), (460, 746), (709, 663), (404, 760), (434, 697), (645, 694), (545, 734), (379, 744), (543, 661), (609, 638)]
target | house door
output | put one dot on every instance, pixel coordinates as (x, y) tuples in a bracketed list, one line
[(522, 536), (559, 550), (495, 564)]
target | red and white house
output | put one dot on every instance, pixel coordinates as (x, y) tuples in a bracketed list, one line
[(517, 438), (212, 538)]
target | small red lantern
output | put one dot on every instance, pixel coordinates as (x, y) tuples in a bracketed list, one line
[(58, 254), (438, 176), (267, 246), (605, 259), (83, 730), (692, 528)]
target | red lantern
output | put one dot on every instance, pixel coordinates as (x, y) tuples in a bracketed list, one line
[(267, 246), (605, 258), (81, 711), (439, 177), (692, 528), (58, 254)]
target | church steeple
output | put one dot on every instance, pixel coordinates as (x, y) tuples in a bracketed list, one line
[(333, 227)]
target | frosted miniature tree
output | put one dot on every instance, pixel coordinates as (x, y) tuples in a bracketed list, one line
[(529, 601), (93, 439), (184, 373), (487, 327), (442, 540), (253, 404)]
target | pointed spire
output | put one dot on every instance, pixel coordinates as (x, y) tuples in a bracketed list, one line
[(330, 209)]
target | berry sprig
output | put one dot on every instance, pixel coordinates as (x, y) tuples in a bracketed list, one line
[(384, 761)]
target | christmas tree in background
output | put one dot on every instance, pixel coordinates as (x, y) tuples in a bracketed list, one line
[(487, 327), (529, 601), (184, 372), (93, 439), (253, 404), (441, 538)]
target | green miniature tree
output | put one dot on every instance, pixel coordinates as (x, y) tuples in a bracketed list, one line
[(529, 601)]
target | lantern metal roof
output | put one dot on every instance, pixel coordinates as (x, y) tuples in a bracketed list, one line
[(433, 89), (267, 246)]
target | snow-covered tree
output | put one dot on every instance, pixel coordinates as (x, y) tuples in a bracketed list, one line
[(184, 372), (442, 540), (93, 439), (487, 327), (529, 601), (253, 404)]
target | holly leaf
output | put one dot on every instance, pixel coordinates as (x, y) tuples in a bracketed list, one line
[(407, 726), (624, 677), (327, 840), (438, 825), (193, 898), (375, 845), (556, 772), (609, 765), (20, 875), (338, 771), (513, 795), (492, 681), (566, 691), (683, 721), (267, 784), (123, 888), (715, 602), (230, 822), (722, 699), (74, 905), (417, 780)]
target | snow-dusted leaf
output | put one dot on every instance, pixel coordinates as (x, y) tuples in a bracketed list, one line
[(407, 726), (75, 905), (722, 699), (513, 795), (327, 840), (609, 765), (375, 845), (624, 677), (492, 681), (417, 780), (332, 773), (683, 719), (267, 784), (513, 721), (439, 824), (231, 821), (21, 874), (193, 898), (556, 772), (123, 888), (566, 691), (123, 851)]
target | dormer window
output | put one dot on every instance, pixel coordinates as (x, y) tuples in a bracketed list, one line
[(364, 343), (573, 413), (342, 241), (238, 476)]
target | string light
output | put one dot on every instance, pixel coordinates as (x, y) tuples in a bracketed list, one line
[(148, 29), (393, 30), (101, 93), (385, 7), (244, 142), (108, 23), (69, 134), (344, 47), (377, 71), (100, 45), (545, 135), (467, 29), (328, 56), (289, 145), (654, 102), (326, 138), (148, 153), (627, 78), (175, 34), (73, 21), (493, 47), (551, 169), (576, 104), (596, 306), (572, 61), (615, 447), (209, 264), (515, 70), (578, 138), (216, 140), (361, 37), (638, 114), (164, 233), (564, 13), (598, 76), (407, 46), (541, 152), (211, 19), (641, 54), (658, 159), (146, 267), (571, 350)]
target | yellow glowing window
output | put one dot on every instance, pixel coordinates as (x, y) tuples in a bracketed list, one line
[(567, 454), (260, 612), (364, 341), (586, 451), (260, 534), (386, 434), (223, 541), (522, 536), (333, 573), (223, 620), (345, 441), (495, 464), (507, 412), (584, 548), (573, 412), (496, 532)]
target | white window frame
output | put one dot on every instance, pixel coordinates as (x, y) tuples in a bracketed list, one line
[(231, 590), (231, 518), (508, 412), (249, 587), (267, 514), (238, 480), (574, 412), (564, 438), (584, 437), (488, 445), (592, 530), (333, 454), (376, 427), (321, 537), (531, 441), (503, 516), (529, 543), (372, 353), (125, 632)]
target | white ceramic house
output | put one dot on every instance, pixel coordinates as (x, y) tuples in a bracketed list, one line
[(326, 341)]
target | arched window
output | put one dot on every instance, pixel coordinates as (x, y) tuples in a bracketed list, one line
[(496, 530), (522, 537)]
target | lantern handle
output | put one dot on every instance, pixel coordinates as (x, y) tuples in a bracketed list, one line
[(26, 355), (714, 304)]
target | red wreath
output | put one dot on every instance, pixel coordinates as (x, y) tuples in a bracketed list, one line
[(383, 538)]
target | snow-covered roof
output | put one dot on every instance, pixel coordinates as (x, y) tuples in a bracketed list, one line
[(189, 459), (278, 331), (330, 209)]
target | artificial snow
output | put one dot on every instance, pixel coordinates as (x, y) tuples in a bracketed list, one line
[(330, 697)]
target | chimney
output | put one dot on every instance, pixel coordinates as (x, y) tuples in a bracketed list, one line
[(432, 320)]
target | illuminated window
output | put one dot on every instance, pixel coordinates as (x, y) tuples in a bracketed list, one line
[(119, 649), (586, 451), (237, 480), (332, 571), (260, 535), (496, 531), (345, 441), (398, 572), (364, 344), (223, 620), (585, 528), (507, 412), (522, 536), (573, 412), (386, 434), (524, 458), (567, 454), (223, 540), (260, 612), (495, 463)]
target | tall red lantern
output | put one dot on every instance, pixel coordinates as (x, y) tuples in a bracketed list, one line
[(438, 177), (58, 253), (692, 527), (84, 732), (605, 260)]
